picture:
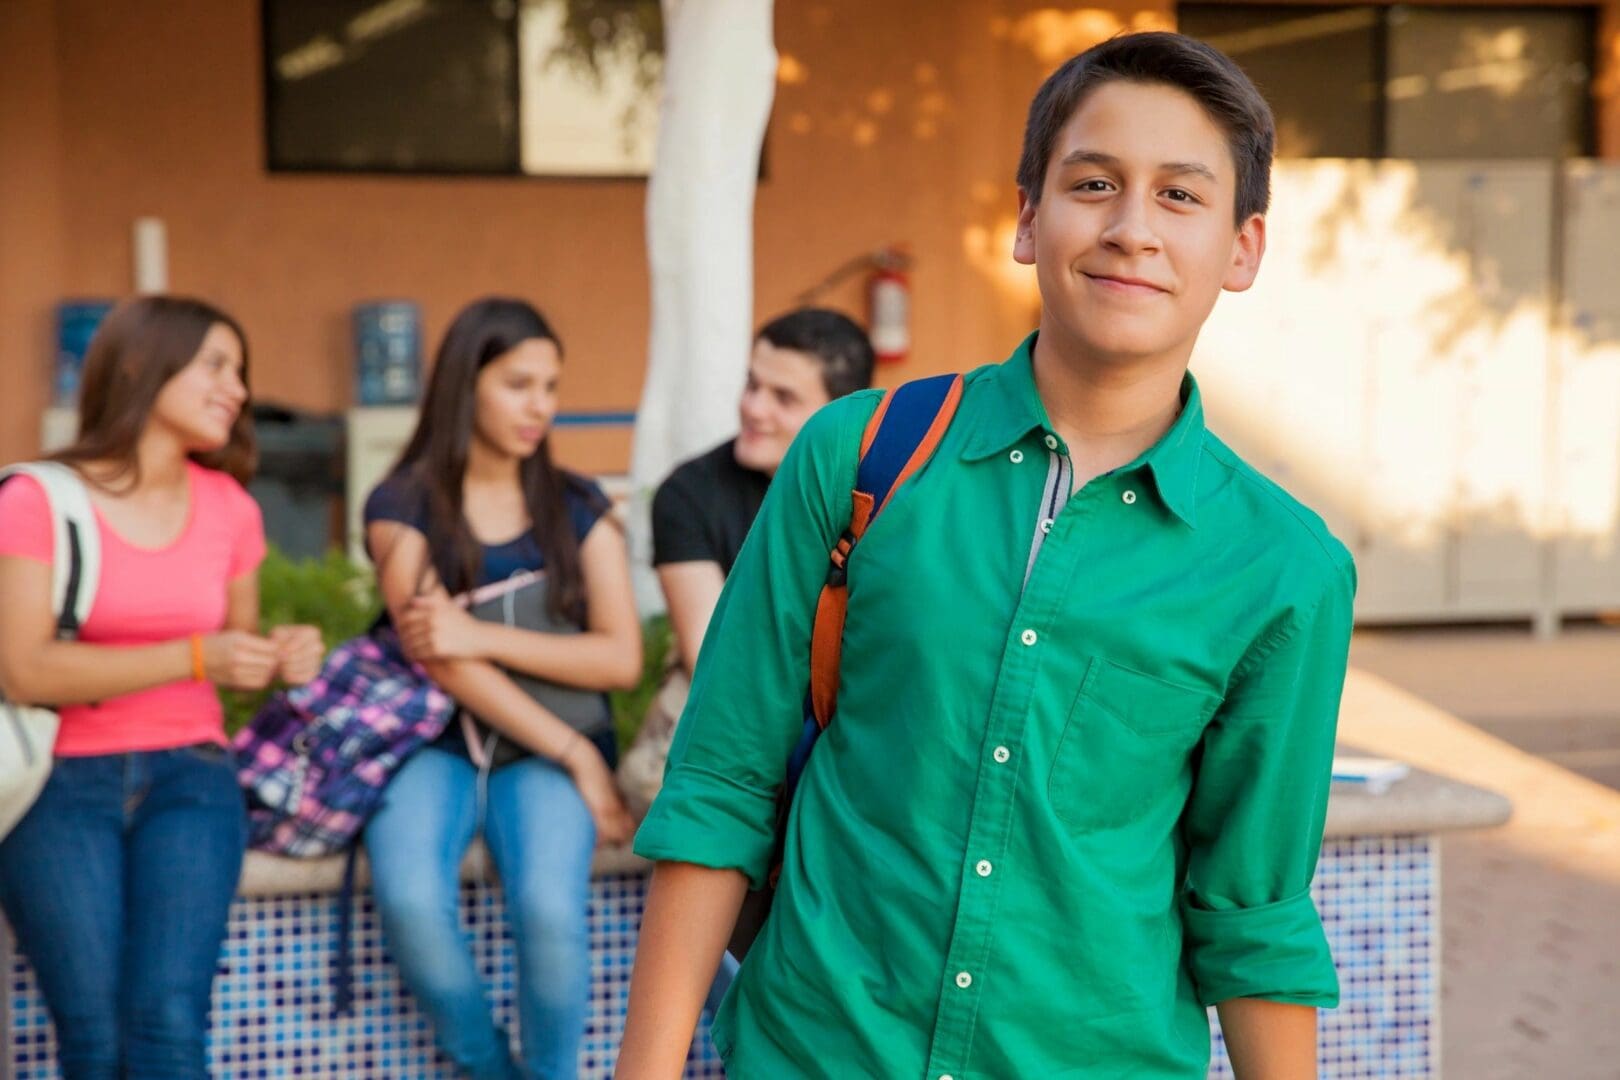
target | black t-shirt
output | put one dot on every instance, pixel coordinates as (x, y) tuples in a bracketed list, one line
[(703, 511)]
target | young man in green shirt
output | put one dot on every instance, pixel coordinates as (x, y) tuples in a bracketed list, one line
[(1075, 787)]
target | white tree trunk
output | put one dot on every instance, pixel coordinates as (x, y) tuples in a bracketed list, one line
[(719, 78)]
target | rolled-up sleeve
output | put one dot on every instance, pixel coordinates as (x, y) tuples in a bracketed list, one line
[(729, 759), (1254, 820)]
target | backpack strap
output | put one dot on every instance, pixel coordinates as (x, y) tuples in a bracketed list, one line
[(902, 435), (76, 550), (343, 961)]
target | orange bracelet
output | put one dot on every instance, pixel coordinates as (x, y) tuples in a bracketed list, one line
[(199, 670)]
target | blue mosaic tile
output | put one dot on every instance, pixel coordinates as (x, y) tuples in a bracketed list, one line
[(273, 998), (1378, 897)]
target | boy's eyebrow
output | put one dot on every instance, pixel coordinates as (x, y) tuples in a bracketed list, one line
[(1182, 168), (1175, 168)]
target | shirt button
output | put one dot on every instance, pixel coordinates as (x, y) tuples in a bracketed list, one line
[(964, 980), (983, 868), (1129, 497), (1028, 637), (1046, 525), (1051, 442), (1016, 456), (1001, 754)]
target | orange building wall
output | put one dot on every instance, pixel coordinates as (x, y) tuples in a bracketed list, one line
[(32, 241), (894, 123)]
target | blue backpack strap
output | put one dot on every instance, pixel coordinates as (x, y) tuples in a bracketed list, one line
[(343, 962), (900, 438)]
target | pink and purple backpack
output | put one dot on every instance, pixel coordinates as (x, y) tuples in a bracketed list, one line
[(316, 759)]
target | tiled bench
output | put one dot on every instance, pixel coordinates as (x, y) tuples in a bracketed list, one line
[(1377, 887)]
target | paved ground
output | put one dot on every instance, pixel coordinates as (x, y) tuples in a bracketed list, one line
[(1530, 912), (1558, 699)]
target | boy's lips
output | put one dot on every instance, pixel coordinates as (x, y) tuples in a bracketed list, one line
[(1128, 285)]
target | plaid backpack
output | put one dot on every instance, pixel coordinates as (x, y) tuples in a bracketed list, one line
[(316, 758), (902, 435)]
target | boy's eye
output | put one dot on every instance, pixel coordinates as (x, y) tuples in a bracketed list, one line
[(1180, 195), (1096, 184)]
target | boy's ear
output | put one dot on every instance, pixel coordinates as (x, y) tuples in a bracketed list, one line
[(1024, 238), (1248, 247)]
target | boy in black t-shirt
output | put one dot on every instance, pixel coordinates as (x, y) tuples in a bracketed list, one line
[(702, 512)]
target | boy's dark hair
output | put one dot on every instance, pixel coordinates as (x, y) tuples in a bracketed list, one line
[(833, 339), (1185, 63)]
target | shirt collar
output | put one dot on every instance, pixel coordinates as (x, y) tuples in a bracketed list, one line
[(1012, 409)]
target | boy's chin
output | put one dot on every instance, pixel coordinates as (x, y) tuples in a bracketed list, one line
[(1120, 344), (759, 456)]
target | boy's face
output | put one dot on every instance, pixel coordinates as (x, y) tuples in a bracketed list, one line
[(784, 388), (1133, 238)]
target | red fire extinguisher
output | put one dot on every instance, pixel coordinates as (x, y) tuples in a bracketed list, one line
[(888, 299), (888, 305)]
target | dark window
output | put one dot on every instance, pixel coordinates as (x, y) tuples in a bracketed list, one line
[(1489, 83), (1413, 82), (505, 87), (392, 87)]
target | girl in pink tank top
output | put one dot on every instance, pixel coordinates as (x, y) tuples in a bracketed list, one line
[(119, 878)]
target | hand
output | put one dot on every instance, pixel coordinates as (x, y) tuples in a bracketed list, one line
[(614, 826), (238, 660), (299, 652), (436, 628)]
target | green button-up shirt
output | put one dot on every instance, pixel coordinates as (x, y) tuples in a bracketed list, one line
[(1074, 790)]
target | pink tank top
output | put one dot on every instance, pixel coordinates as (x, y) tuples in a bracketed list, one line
[(147, 596)]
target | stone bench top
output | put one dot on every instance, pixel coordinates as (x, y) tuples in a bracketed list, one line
[(1420, 803), (277, 875)]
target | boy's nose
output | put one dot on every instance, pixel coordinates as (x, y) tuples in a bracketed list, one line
[(1128, 230)]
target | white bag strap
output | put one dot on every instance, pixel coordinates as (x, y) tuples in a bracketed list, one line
[(76, 555)]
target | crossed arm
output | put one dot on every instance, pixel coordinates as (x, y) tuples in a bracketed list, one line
[(447, 642)]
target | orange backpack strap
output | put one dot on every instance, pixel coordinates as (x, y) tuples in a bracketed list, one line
[(900, 438), (902, 435)]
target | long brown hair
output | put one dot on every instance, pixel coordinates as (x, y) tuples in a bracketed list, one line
[(435, 460), (140, 346)]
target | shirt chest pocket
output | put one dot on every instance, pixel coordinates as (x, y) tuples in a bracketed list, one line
[(1125, 746)]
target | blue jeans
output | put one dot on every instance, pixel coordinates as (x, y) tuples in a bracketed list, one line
[(117, 883), (541, 837)]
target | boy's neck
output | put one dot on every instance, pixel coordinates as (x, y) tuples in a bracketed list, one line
[(1108, 412)]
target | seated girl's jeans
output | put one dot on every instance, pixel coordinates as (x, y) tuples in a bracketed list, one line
[(117, 883), (541, 837)]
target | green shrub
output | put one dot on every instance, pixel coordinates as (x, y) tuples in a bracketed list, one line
[(334, 593), (630, 706)]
